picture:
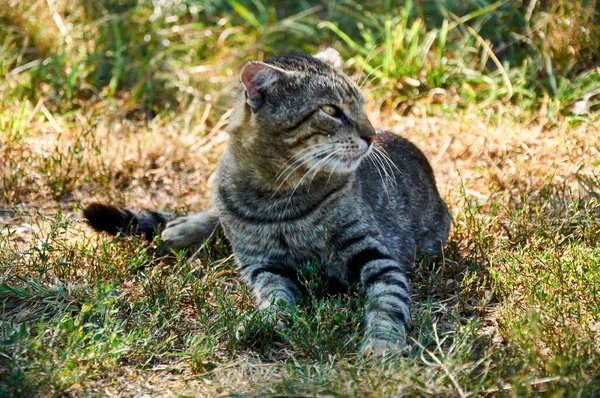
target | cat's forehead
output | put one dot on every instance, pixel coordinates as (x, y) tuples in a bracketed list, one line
[(321, 74)]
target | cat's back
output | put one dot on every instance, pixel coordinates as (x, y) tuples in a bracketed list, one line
[(396, 158), (399, 185), (409, 160)]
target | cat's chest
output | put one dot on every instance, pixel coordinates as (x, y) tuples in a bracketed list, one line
[(293, 243), (261, 228), (301, 239)]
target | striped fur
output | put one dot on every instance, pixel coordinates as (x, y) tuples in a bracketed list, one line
[(359, 208)]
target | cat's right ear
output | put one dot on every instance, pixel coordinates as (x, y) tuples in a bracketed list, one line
[(257, 77)]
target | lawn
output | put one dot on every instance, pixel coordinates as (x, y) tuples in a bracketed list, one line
[(127, 102)]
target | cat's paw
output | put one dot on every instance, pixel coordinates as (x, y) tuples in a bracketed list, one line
[(379, 348), (189, 231), (393, 344)]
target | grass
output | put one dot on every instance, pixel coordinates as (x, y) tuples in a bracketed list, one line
[(127, 101)]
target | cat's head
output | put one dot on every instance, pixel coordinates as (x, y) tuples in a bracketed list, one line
[(301, 111)]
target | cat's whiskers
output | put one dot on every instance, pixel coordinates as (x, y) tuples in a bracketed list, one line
[(294, 158), (377, 158), (380, 176), (304, 159), (304, 162), (383, 170), (387, 164), (299, 162), (316, 166), (387, 158), (323, 162), (338, 161)]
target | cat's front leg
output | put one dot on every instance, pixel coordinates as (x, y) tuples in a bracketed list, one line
[(274, 288), (190, 231), (387, 313), (360, 256)]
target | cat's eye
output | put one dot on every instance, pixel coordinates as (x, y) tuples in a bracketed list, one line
[(332, 110)]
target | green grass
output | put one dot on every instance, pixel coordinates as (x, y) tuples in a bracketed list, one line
[(78, 312), (126, 101)]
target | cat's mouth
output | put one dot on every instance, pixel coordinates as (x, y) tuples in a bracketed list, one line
[(354, 157), (343, 158), (335, 162), (331, 160)]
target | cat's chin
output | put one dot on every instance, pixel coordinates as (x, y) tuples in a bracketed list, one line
[(349, 164), (330, 165), (343, 166)]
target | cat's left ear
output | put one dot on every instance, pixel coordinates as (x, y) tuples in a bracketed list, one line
[(331, 57), (257, 77)]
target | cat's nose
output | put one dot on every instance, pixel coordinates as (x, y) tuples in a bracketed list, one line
[(368, 135), (369, 138)]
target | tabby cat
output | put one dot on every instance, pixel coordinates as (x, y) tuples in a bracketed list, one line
[(305, 176)]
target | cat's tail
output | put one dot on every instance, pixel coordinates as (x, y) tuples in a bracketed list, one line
[(114, 219)]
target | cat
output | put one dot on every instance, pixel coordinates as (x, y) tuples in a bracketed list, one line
[(305, 176)]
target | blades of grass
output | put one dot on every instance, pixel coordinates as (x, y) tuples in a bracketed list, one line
[(303, 14), (482, 11), (246, 14), (388, 6), (523, 78), (550, 73), (295, 27), (59, 291), (376, 73), (405, 15), (388, 48), (493, 90), (5, 288), (427, 43), (436, 71), (492, 55), (35, 285), (263, 11), (72, 79), (441, 44), (342, 35), (413, 43), (359, 16), (15, 126), (139, 88), (119, 59), (370, 41)]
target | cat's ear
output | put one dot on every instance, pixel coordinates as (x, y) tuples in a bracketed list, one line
[(331, 57), (257, 77)]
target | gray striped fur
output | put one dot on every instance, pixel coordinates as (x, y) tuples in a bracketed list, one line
[(361, 218)]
